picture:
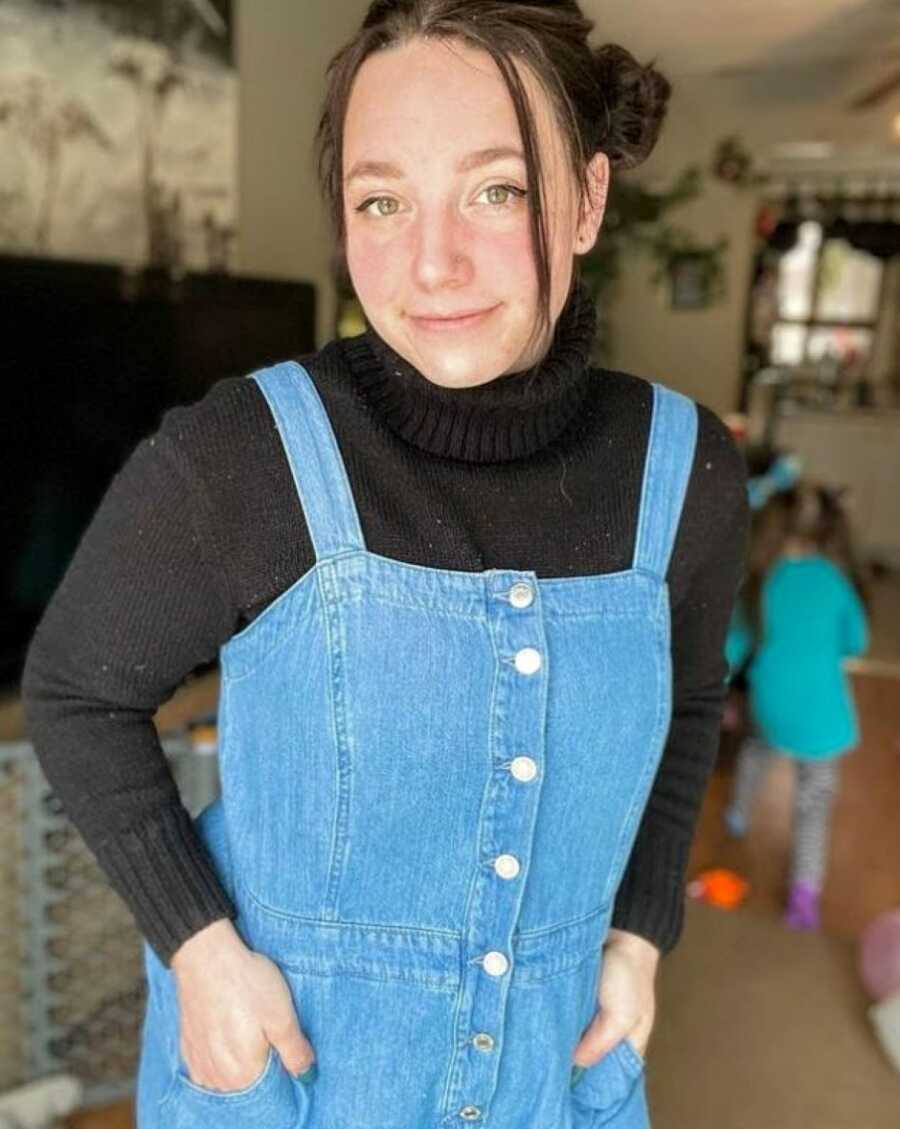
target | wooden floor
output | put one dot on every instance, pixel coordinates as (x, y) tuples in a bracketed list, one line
[(863, 871)]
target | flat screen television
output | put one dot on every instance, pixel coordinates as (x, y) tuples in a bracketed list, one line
[(92, 358)]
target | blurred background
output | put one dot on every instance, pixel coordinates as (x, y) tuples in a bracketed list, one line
[(161, 228)]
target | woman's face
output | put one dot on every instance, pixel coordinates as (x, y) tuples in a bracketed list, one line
[(434, 230)]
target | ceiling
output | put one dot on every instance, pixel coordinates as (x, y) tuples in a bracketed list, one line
[(785, 71), (700, 36)]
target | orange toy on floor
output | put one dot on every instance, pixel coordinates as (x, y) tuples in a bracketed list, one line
[(719, 887)]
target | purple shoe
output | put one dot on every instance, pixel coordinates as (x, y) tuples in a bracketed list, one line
[(802, 911)]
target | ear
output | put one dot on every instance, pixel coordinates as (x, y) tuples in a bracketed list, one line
[(593, 205)]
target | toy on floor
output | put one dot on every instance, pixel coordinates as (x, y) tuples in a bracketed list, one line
[(719, 887), (879, 970), (39, 1104), (885, 1018), (879, 955)]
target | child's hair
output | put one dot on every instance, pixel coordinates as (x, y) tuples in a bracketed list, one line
[(810, 512), (604, 100)]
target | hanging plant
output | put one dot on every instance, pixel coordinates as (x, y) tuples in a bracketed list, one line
[(634, 218), (694, 271), (733, 163)]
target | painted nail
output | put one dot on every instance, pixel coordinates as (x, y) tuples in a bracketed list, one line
[(577, 1072), (309, 1075)]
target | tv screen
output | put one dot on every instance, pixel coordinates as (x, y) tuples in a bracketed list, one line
[(93, 357)]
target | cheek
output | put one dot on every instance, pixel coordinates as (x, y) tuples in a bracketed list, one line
[(372, 266), (510, 252)]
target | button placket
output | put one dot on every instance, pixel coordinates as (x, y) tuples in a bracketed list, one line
[(520, 702)]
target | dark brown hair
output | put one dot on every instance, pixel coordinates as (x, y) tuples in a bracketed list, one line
[(603, 99), (809, 512)]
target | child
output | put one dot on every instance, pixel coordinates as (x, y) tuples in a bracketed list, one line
[(802, 612)]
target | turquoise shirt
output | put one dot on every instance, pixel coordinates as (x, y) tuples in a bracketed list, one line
[(799, 695)]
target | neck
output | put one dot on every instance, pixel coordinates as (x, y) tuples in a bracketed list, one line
[(509, 417)]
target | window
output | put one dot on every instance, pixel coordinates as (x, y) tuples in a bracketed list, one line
[(828, 300)]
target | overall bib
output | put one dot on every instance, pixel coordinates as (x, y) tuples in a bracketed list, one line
[(431, 784)]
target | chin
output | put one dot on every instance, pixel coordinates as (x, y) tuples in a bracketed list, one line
[(461, 371)]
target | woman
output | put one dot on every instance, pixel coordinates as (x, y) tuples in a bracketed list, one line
[(469, 596)]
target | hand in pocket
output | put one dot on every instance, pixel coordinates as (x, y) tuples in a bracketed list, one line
[(233, 1004)]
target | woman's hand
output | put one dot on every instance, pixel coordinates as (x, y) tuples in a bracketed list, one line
[(626, 996), (234, 1003)]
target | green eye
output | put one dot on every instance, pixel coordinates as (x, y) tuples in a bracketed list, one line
[(386, 201), (376, 200), (509, 189), (498, 188)]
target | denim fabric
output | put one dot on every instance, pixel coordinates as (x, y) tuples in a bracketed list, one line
[(431, 784)]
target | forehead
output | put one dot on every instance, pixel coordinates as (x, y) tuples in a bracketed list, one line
[(432, 98)]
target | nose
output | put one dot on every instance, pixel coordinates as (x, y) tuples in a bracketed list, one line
[(441, 256)]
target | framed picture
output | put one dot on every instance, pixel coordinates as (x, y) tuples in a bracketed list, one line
[(690, 280), (118, 130)]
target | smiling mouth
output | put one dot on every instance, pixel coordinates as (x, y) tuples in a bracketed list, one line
[(458, 322)]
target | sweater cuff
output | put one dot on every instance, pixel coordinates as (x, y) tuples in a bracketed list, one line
[(650, 898), (165, 876)]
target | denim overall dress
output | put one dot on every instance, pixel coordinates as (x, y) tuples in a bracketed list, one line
[(431, 784)]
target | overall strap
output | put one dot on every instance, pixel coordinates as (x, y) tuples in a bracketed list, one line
[(667, 469), (315, 460)]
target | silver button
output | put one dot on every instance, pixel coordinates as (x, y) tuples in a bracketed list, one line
[(523, 768), (521, 595), (483, 1041), (495, 964), (470, 1113), (528, 660), (507, 866)]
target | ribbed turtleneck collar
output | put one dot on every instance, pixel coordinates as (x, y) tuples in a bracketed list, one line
[(506, 418)]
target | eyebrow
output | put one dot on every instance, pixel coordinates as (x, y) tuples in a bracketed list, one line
[(476, 160)]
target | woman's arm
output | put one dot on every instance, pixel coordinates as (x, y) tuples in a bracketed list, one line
[(140, 606), (707, 564), (706, 569)]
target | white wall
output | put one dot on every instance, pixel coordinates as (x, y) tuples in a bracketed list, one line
[(283, 47), (696, 351)]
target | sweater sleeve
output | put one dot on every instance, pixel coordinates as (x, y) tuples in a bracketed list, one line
[(140, 606), (706, 569)]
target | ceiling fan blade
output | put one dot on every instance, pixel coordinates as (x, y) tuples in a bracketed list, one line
[(877, 94)]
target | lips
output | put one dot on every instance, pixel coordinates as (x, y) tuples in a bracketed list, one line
[(452, 321)]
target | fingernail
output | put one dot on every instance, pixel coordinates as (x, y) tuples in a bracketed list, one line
[(309, 1075), (577, 1072)]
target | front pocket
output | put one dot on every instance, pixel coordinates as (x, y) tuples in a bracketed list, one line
[(627, 1048), (274, 1100), (606, 1088)]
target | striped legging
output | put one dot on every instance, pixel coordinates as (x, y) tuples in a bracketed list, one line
[(815, 789)]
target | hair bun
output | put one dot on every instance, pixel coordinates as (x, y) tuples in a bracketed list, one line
[(636, 98)]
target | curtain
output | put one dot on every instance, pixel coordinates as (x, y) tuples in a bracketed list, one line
[(870, 224)]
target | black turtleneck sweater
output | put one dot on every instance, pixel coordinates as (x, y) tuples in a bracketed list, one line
[(202, 529)]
